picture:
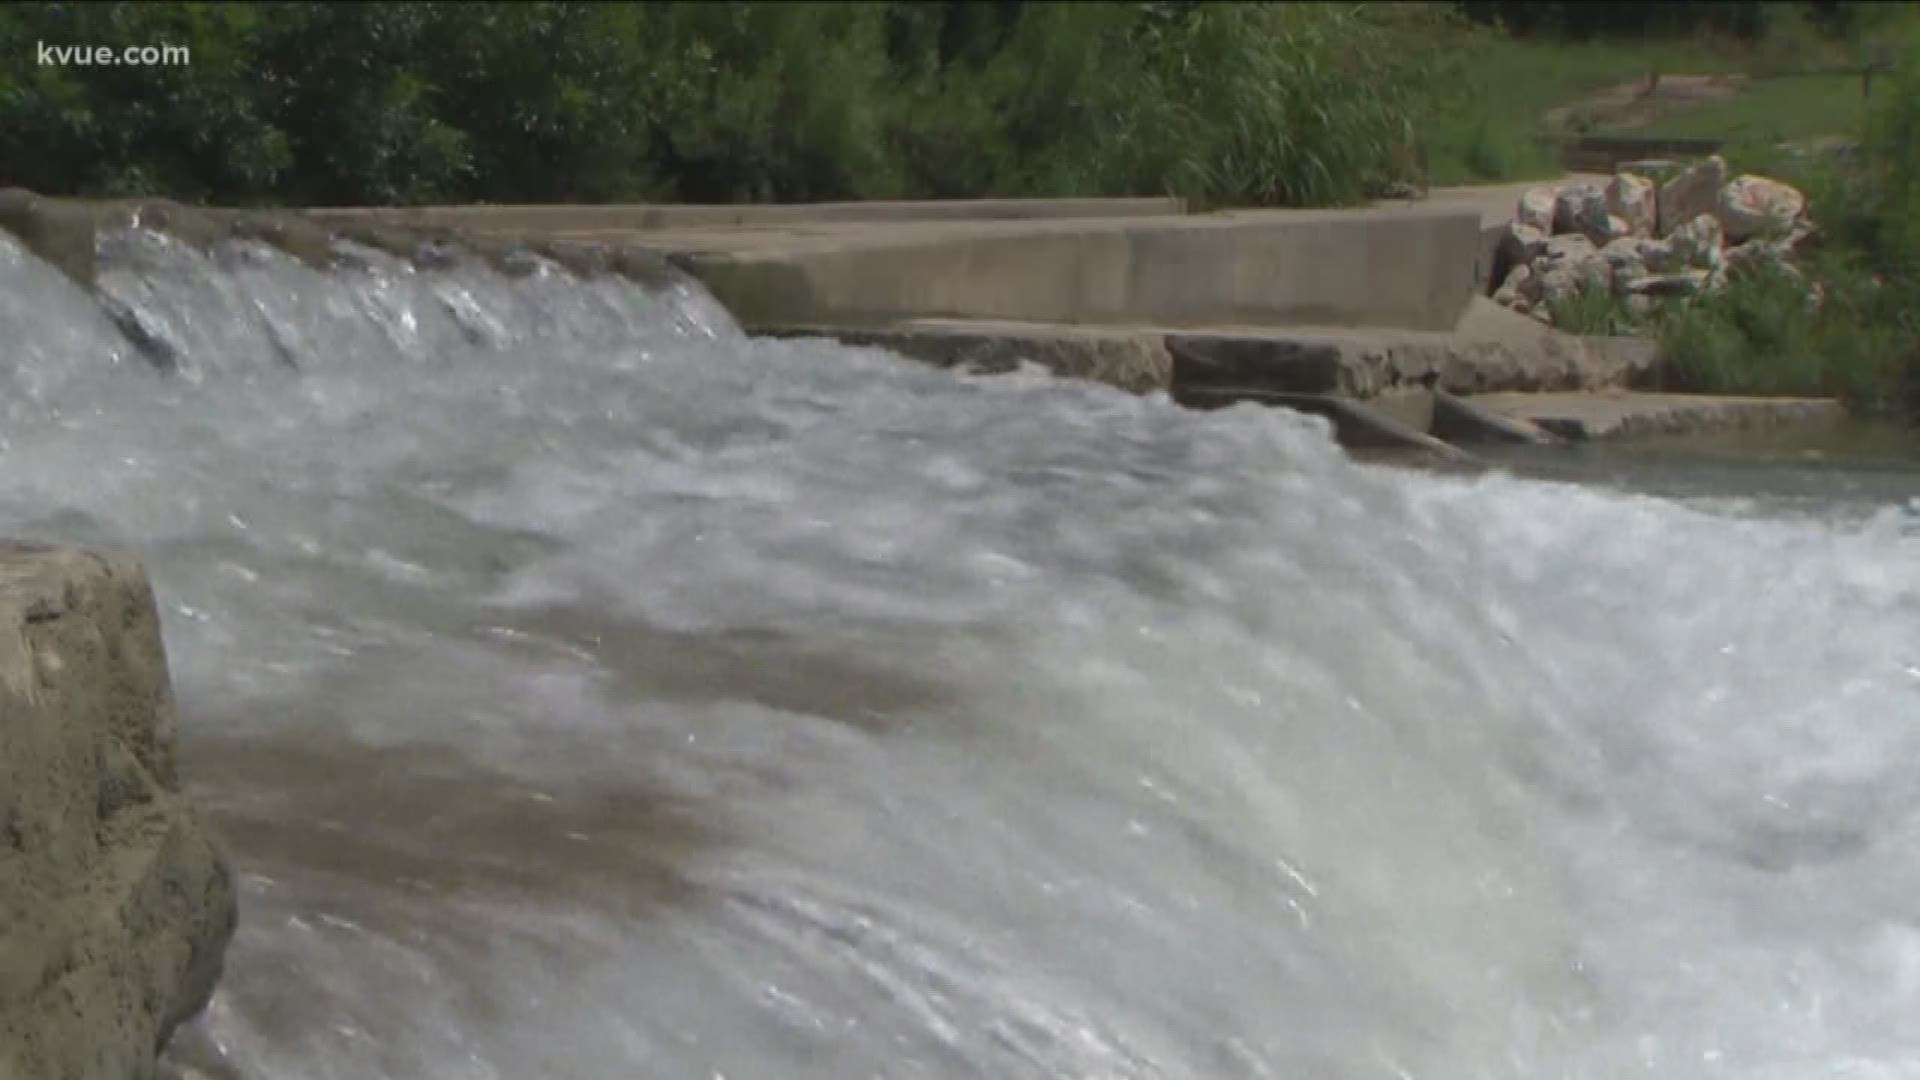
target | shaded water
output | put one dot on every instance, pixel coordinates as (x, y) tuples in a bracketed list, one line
[(586, 690)]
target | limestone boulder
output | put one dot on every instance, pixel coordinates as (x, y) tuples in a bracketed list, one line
[(1535, 210), (1697, 243), (1581, 209), (115, 907), (1521, 244), (1660, 256), (1626, 260), (1693, 191), (1519, 288), (1569, 266), (1632, 199), (1759, 256), (1682, 283), (1750, 206)]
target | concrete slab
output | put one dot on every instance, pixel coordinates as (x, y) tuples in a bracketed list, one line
[(1491, 349), (1134, 360), (1620, 414), (1462, 422), (1410, 267)]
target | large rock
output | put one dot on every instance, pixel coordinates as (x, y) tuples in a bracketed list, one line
[(1582, 209), (1697, 243), (1693, 192), (1759, 256), (1569, 266), (1520, 290), (1753, 206), (1536, 209), (1682, 283), (1626, 260), (115, 909), (1520, 244), (1631, 198)]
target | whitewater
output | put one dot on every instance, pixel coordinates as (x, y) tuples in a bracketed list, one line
[(583, 688)]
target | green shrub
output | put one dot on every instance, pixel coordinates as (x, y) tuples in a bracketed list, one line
[(1230, 103), (1700, 351)]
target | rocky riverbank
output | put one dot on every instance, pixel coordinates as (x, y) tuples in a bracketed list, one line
[(1656, 231)]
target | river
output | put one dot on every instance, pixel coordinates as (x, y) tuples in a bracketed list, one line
[(583, 689)]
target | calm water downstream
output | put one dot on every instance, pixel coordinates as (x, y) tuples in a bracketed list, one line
[(585, 690)]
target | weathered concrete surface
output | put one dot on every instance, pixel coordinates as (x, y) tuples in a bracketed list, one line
[(115, 908), (1625, 413), (1462, 422), (1135, 360), (655, 217), (1410, 267), (1491, 349)]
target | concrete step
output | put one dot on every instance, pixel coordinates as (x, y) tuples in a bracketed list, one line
[(1490, 349)]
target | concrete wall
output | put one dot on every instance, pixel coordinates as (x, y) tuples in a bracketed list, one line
[(1406, 267), (115, 909)]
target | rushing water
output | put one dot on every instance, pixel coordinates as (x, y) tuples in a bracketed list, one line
[(586, 690)]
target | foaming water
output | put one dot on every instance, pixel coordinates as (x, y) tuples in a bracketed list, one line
[(587, 690)]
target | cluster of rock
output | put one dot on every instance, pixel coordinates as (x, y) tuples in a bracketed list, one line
[(1645, 236)]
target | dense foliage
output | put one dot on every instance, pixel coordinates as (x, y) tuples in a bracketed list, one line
[(426, 101)]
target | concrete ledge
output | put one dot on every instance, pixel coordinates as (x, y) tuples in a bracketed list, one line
[(1490, 349), (1462, 422), (1623, 414), (1131, 360), (115, 909), (1410, 267)]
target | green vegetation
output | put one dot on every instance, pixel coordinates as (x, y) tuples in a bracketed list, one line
[(1862, 340), (1771, 111), (1849, 324), (1517, 87), (1225, 103), (1496, 123), (398, 102)]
